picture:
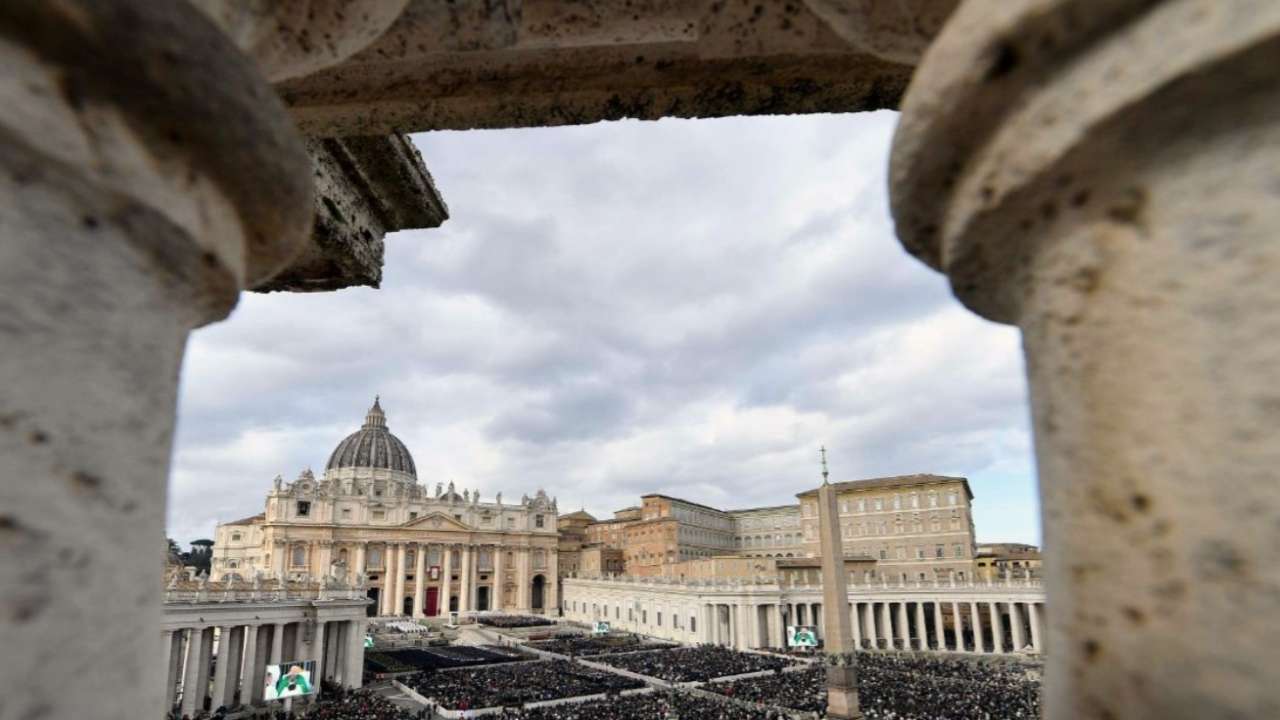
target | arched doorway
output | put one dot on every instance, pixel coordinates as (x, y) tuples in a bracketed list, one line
[(482, 597), (539, 587), (407, 606), (372, 609)]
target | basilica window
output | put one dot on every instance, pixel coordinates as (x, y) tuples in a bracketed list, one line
[(379, 514), (235, 537), (304, 508), (346, 513), (375, 558), (433, 556), (299, 556), (409, 558), (413, 515), (537, 521), (454, 559)]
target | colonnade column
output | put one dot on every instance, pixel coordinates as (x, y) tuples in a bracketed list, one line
[(922, 630), (886, 620), (221, 666), (997, 627), (191, 674), (465, 580), (939, 628), (495, 599), (206, 661), (979, 642), (317, 653), (855, 625), (904, 629), (250, 674), (957, 625), (353, 670), (446, 582), (1015, 626), (419, 578), (869, 611), (1033, 612), (235, 662), (172, 648), (1103, 176)]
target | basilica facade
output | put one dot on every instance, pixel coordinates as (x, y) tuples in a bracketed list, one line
[(420, 553)]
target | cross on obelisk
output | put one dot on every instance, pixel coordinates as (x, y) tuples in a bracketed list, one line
[(842, 671)]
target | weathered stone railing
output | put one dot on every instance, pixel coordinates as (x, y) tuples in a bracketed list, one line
[(271, 591)]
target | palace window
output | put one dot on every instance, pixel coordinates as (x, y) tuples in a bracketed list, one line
[(933, 499), (862, 506), (879, 503), (939, 551), (953, 498), (902, 553), (897, 502), (884, 554), (959, 550), (304, 508), (919, 553)]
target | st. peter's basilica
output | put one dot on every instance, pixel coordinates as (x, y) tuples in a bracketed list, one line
[(421, 553)]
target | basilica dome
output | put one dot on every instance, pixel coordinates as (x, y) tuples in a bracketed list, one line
[(373, 446)]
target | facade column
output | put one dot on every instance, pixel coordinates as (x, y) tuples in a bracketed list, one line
[(191, 671), (324, 557), (1033, 611), (249, 679), (221, 666), (388, 583), (551, 591), (353, 670), (1015, 626), (1131, 237), (277, 644), (997, 627), (206, 661), (922, 630), (280, 550), (499, 581), (819, 620), (957, 624), (402, 570), (446, 581), (419, 578), (523, 578), (359, 559), (904, 627), (939, 628), (979, 642), (465, 579)]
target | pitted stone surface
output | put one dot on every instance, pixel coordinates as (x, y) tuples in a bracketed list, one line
[(545, 62), (1098, 174)]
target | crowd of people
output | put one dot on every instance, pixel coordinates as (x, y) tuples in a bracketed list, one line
[(904, 686), (335, 703), (920, 687), (582, 645), (649, 706), (514, 621), (804, 690), (515, 684), (692, 664), (435, 658)]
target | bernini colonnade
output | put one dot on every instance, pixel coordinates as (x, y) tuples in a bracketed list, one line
[(1101, 174)]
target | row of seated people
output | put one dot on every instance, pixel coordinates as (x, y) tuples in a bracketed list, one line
[(513, 621), (516, 684), (648, 706), (582, 645), (694, 664), (905, 687)]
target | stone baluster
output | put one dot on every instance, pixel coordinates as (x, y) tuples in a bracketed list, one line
[(1102, 176)]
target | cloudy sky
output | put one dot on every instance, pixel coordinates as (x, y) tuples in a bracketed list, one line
[(685, 307)]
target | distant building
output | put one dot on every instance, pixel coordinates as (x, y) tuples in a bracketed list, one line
[(768, 531), (421, 554), (1007, 560), (572, 531), (916, 527)]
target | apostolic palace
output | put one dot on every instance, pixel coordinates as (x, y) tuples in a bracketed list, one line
[(419, 553)]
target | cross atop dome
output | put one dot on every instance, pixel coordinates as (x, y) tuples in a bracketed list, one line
[(375, 417)]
